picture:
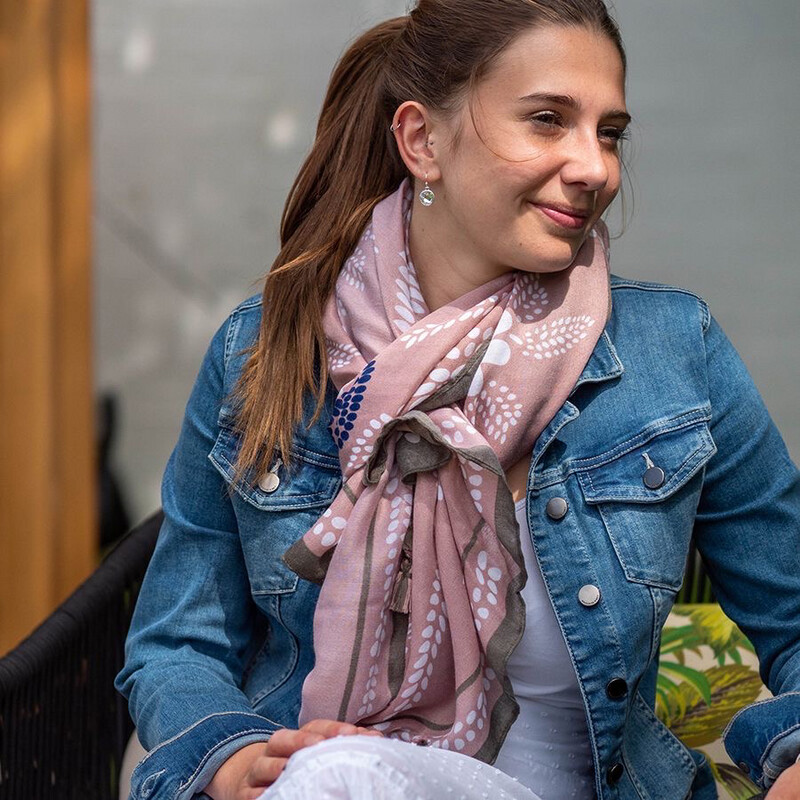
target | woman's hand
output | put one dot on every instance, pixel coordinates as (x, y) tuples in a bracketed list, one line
[(249, 771), (787, 787)]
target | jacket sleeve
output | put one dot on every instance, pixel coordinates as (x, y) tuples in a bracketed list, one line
[(748, 532), (195, 626)]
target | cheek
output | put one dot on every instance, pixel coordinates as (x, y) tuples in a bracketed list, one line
[(612, 187)]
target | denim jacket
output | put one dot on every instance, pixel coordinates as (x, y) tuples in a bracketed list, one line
[(221, 638)]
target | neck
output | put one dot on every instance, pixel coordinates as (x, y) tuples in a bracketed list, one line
[(446, 266)]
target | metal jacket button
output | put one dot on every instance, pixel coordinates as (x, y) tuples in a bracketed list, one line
[(269, 483), (654, 476), (616, 689), (556, 508), (589, 595), (614, 773), (269, 480)]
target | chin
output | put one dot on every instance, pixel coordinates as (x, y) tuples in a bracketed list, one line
[(551, 259)]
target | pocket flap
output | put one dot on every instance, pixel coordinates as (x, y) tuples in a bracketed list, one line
[(312, 480), (680, 453)]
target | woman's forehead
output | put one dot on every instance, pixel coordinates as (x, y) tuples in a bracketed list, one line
[(558, 60)]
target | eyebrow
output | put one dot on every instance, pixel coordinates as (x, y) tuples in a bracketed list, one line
[(571, 102)]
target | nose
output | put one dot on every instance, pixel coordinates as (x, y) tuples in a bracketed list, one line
[(585, 162)]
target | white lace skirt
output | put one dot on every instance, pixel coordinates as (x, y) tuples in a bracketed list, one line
[(371, 768)]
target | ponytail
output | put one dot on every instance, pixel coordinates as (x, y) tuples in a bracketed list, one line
[(352, 166)]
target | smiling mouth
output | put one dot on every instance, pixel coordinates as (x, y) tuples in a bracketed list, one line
[(564, 216)]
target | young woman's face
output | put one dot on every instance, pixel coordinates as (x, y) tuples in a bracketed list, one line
[(523, 185)]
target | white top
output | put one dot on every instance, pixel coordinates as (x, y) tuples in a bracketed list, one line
[(547, 748)]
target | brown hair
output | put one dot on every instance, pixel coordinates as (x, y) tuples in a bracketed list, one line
[(434, 56)]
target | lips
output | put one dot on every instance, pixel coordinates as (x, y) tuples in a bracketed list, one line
[(563, 215)]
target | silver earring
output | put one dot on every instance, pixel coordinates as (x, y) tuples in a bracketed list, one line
[(426, 196), (393, 128)]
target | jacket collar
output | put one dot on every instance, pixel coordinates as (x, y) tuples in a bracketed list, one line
[(603, 364)]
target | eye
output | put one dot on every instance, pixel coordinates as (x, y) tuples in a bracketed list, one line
[(613, 134), (548, 119)]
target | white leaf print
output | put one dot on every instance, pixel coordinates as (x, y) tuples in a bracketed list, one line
[(340, 355)]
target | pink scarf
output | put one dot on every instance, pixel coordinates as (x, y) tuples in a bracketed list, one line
[(412, 632)]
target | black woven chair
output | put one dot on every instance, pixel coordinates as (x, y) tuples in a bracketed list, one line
[(63, 726)]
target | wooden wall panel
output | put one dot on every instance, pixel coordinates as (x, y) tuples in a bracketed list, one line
[(75, 541), (47, 530)]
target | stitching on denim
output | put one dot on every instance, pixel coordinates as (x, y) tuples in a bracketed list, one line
[(634, 778), (216, 747), (147, 784), (263, 648), (287, 503), (312, 457), (666, 735), (572, 413), (547, 478), (768, 772), (295, 652), (623, 563), (685, 472), (706, 315), (652, 286), (613, 349), (193, 726), (755, 705), (234, 324), (614, 372), (592, 722), (772, 742), (694, 416), (658, 628), (226, 425)]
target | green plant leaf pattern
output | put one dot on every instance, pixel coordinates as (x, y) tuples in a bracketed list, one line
[(697, 704), (732, 687), (716, 630), (738, 786)]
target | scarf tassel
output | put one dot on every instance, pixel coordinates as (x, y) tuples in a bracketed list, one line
[(401, 594)]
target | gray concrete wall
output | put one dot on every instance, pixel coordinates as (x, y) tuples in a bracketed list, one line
[(204, 110)]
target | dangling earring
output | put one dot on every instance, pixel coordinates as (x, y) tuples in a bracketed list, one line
[(426, 196)]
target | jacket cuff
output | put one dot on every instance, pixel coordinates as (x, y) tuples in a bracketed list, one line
[(182, 767), (764, 738)]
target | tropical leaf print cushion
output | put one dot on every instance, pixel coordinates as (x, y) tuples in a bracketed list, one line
[(708, 671)]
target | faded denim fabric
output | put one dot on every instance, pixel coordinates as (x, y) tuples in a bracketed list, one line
[(221, 638)]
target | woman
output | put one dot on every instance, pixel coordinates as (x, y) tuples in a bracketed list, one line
[(452, 451)]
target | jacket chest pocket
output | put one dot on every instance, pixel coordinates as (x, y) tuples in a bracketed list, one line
[(276, 509), (647, 496)]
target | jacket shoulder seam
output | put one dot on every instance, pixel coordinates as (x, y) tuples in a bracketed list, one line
[(233, 324), (618, 282)]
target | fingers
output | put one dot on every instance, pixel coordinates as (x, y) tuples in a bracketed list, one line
[(286, 742), (265, 771), (329, 728), (369, 732), (283, 744)]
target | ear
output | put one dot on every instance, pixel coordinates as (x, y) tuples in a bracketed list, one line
[(413, 131)]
